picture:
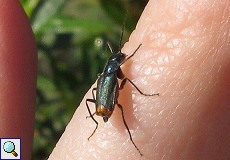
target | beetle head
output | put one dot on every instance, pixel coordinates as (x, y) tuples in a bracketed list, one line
[(118, 57)]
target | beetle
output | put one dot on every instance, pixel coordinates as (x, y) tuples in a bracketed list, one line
[(107, 91)]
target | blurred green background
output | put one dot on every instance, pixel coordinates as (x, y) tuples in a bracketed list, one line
[(71, 39)]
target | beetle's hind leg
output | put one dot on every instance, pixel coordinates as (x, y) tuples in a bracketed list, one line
[(126, 126), (124, 82), (90, 114)]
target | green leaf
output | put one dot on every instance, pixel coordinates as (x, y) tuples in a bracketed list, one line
[(29, 6), (69, 25), (47, 11)]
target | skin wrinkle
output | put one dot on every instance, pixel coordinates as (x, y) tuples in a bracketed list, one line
[(166, 61), (203, 60), (170, 150)]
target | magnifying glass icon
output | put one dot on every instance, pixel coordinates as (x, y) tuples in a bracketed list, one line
[(9, 147)]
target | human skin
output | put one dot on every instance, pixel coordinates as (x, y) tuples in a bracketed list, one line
[(18, 65), (185, 58)]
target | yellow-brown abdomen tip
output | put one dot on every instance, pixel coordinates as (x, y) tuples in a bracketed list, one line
[(104, 112)]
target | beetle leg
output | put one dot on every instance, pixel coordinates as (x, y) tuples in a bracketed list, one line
[(131, 54), (91, 115), (126, 126), (126, 79), (93, 90), (120, 74)]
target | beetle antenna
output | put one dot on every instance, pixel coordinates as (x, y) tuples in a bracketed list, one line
[(122, 31), (110, 48)]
